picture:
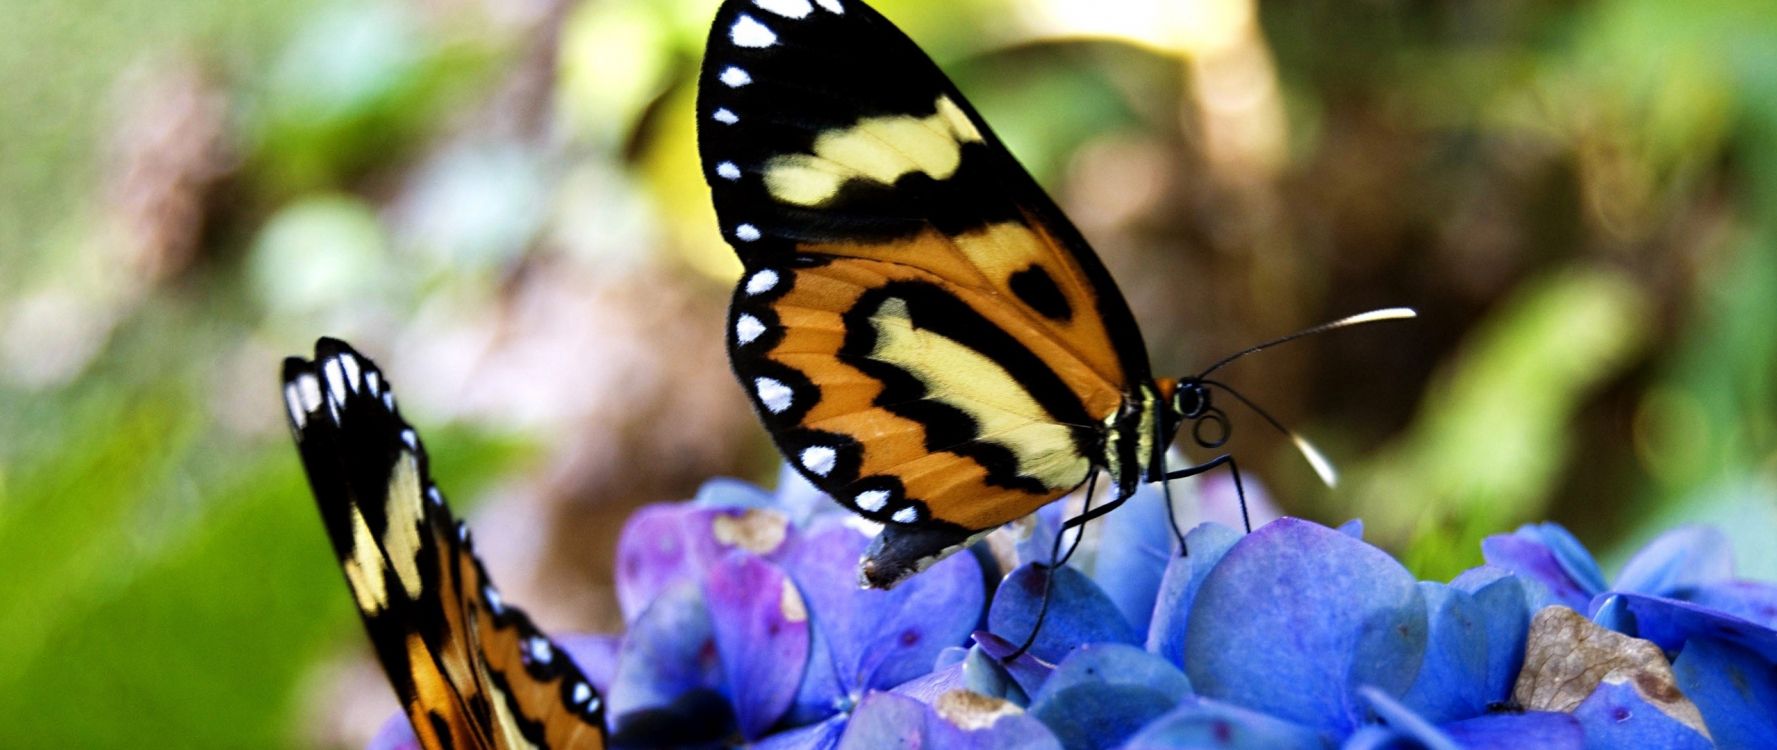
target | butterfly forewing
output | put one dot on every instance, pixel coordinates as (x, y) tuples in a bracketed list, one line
[(471, 671), (924, 334)]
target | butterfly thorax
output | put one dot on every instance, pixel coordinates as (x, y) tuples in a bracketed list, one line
[(1137, 435)]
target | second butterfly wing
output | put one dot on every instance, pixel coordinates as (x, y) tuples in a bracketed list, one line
[(471, 670), (923, 333)]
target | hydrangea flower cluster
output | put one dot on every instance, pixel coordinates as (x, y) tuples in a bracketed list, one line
[(747, 627)]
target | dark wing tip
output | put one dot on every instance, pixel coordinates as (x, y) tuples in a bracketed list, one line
[(901, 551)]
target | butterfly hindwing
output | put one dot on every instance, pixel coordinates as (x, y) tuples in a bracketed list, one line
[(471, 670), (922, 331)]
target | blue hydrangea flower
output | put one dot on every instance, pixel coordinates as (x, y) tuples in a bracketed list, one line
[(746, 627)]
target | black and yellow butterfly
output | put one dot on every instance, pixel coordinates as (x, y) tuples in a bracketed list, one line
[(470, 669), (923, 332)]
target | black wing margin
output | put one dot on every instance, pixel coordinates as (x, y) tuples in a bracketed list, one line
[(471, 671)]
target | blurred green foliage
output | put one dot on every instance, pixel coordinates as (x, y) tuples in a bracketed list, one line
[(1581, 197)]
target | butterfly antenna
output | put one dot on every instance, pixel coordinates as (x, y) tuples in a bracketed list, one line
[(1387, 313), (1312, 455)]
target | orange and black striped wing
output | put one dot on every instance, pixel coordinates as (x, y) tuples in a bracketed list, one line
[(922, 331), (470, 669)]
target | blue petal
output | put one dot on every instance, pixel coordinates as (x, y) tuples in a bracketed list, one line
[(1353, 528), (926, 688), (1027, 672), (395, 734), (1379, 738), (1681, 559), (1452, 681), (1217, 502), (886, 720), (1178, 588), (802, 501), (1670, 622), (1402, 720), (821, 694), (1296, 616), (1079, 612), (1755, 601), (727, 492), (1204, 723), (880, 639), (761, 631), (1505, 618), (1543, 730), (1037, 545), (1615, 716), (950, 655), (667, 668), (1733, 689), (1135, 544), (1568, 550), (1103, 693), (1538, 565)]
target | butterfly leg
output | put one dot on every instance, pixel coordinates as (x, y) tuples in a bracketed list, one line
[(1172, 514), (1233, 468), (1056, 559)]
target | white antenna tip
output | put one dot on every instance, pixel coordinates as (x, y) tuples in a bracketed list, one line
[(1386, 313), (1321, 465)]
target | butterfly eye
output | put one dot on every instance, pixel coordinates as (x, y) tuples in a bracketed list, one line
[(1190, 401)]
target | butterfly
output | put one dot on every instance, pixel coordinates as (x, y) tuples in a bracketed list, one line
[(471, 670), (921, 330)]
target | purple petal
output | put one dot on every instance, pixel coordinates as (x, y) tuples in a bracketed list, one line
[(820, 695), (652, 555), (1543, 730), (927, 688), (1135, 545), (800, 500), (761, 631), (1670, 623), (1505, 619), (668, 655), (1755, 601), (1178, 588), (1027, 672), (957, 720), (1202, 723), (1452, 681), (1079, 612), (1103, 693), (822, 736), (1297, 615), (1616, 716), (880, 639), (1734, 690), (395, 734), (1681, 559), (1537, 564)]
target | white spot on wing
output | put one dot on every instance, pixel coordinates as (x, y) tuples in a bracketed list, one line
[(350, 363), (747, 328), (435, 496), (905, 515), (819, 459), (728, 171), (871, 501), (410, 439), (734, 77), (787, 8), (308, 387), (832, 5), (748, 32), (293, 404), (747, 232), (773, 393), (336, 379), (762, 282), (725, 116), (494, 603), (375, 380), (389, 400), (582, 693), (539, 649)]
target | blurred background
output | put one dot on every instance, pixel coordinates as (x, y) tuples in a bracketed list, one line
[(500, 202)]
